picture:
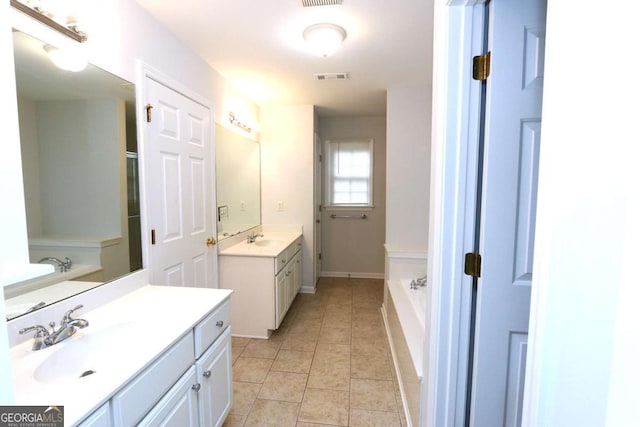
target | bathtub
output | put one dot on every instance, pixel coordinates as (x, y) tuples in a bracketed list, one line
[(404, 313)]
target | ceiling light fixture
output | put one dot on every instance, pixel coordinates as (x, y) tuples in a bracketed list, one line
[(324, 39), (65, 59)]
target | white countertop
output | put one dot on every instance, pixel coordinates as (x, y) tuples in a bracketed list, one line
[(125, 336), (279, 240)]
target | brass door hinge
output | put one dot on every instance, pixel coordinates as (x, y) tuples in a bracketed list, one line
[(148, 107), (472, 264), (481, 66)]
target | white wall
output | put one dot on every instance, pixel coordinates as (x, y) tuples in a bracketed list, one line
[(120, 32), (13, 224), (408, 167), (354, 246), (582, 363), (286, 144)]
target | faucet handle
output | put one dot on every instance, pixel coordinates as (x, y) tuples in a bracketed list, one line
[(41, 331), (67, 316)]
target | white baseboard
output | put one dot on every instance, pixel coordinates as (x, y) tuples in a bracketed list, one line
[(352, 275), (308, 289)]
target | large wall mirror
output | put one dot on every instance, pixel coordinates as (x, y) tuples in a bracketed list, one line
[(79, 161), (237, 182)]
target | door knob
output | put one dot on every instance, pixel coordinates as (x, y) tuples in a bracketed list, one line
[(211, 241)]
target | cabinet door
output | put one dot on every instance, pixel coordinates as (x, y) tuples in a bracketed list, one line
[(101, 417), (179, 407), (281, 296), (214, 373)]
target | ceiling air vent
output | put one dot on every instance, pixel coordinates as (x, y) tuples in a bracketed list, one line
[(332, 76), (312, 3)]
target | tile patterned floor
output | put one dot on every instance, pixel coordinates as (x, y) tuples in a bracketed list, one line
[(328, 364)]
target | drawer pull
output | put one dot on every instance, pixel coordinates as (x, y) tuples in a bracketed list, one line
[(196, 387), (219, 323), (206, 374)]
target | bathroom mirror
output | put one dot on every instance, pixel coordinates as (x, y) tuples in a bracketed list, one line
[(237, 182), (79, 161)]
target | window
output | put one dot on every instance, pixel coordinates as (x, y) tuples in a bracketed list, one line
[(349, 172)]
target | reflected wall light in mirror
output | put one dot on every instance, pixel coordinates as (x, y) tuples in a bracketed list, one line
[(54, 14), (65, 59), (234, 121), (78, 142)]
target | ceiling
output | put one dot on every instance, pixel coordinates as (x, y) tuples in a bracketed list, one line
[(257, 45)]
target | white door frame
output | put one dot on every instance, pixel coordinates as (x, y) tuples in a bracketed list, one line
[(458, 36), (143, 72), (317, 212)]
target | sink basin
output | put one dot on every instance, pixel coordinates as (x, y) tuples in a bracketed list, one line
[(268, 243), (84, 354)]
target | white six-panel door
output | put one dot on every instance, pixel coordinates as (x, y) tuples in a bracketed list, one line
[(512, 146), (179, 183)]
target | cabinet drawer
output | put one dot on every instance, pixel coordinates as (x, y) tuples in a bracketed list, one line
[(294, 248), (136, 399), (281, 261), (287, 254), (211, 327)]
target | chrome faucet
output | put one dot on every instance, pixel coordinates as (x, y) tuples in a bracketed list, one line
[(420, 281), (68, 326), (251, 237), (64, 265)]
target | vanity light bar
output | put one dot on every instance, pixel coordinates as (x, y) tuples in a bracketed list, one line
[(234, 121), (312, 3), (69, 31)]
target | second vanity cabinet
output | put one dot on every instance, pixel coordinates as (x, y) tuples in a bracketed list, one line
[(265, 281), (288, 284)]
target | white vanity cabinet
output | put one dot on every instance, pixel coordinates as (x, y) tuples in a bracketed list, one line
[(265, 281), (188, 385)]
